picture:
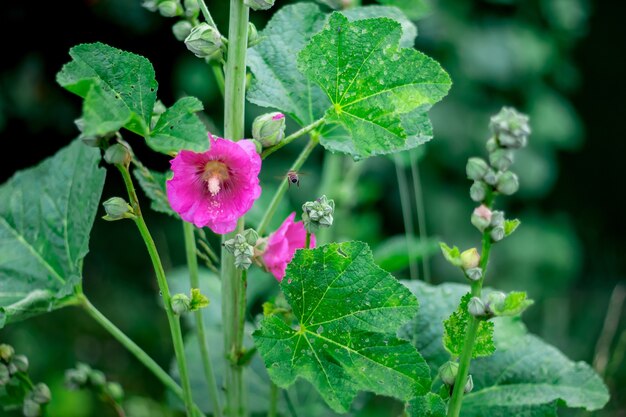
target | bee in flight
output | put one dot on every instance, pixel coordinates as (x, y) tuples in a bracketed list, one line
[(293, 178)]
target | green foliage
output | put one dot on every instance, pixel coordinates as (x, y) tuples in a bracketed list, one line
[(452, 254), (153, 184), (119, 89), (455, 328), (348, 311), (524, 377), (375, 90), (46, 214), (198, 300), (510, 226), (429, 405)]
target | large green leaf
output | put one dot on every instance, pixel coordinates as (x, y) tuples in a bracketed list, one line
[(348, 311), (455, 328), (379, 91), (524, 377), (121, 76), (46, 214), (153, 184), (180, 128), (429, 405)]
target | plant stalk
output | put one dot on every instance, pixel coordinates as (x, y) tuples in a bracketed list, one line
[(421, 213), (405, 202), (274, 391), (295, 135)]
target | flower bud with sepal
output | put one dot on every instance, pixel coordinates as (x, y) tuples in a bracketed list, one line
[(318, 213), (181, 304), (481, 217), (474, 274), (115, 390), (469, 385), (6, 352), (479, 191), (476, 168), (191, 8), (118, 154), (170, 8), (470, 258), (511, 128), (497, 218), (269, 128), (494, 302), (204, 40), (242, 248), (448, 372), (259, 4), (507, 183), (5, 375), (182, 29), (501, 159), (253, 35), (491, 177), (117, 209), (41, 393), (30, 408), (497, 233), (19, 363), (492, 145), (97, 378), (476, 307)]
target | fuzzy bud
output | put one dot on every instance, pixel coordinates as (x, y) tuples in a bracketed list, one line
[(253, 35), (492, 145), (20, 362), (497, 233), (511, 128), (470, 258), (5, 375), (476, 307), (478, 191), (6, 352), (476, 168), (169, 8), (491, 177), (115, 391), (474, 274), (117, 209), (97, 378), (242, 248), (180, 304), (30, 408), (318, 213), (259, 4), (41, 393), (469, 385), (181, 29), (508, 183), (191, 8), (76, 378), (448, 372), (204, 40), (269, 129), (118, 154), (497, 218), (481, 217), (501, 159), (495, 301), (150, 5)]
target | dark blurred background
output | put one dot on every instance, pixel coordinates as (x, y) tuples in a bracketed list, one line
[(560, 61)]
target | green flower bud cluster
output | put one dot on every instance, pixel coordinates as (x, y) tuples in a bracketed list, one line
[(497, 303), (13, 371), (318, 213), (204, 41), (448, 372), (493, 222), (468, 260), (85, 377), (181, 303), (510, 132), (259, 4), (269, 129), (242, 248)]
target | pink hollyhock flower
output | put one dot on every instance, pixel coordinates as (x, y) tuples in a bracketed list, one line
[(216, 187), (282, 245)]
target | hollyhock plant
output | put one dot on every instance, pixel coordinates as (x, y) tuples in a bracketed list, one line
[(215, 188), (282, 245)]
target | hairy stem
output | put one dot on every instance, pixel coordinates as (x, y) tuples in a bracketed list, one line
[(172, 318), (271, 209), (295, 135), (421, 213), (194, 279), (405, 202)]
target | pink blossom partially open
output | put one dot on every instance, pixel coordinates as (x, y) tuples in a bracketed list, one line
[(215, 188), (282, 245)]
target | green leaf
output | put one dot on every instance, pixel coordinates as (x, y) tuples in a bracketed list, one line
[(455, 328), (510, 226), (429, 405), (393, 253), (524, 377), (102, 113), (46, 214), (121, 77), (198, 300), (379, 92), (153, 184), (409, 30), (180, 128), (452, 254), (348, 312), (514, 304)]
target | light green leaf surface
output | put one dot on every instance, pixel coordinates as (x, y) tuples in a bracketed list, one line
[(348, 312), (455, 328), (525, 377), (121, 76), (514, 304), (153, 185), (429, 405), (379, 92), (180, 128), (46, 214)]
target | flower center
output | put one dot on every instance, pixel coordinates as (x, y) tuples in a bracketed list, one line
[(215, 173)]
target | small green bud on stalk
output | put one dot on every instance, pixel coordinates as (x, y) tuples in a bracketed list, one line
[(117, 209), (478, 191), (474, 274), (150, 5), (97, 378), (495, 301), (476, 168), (491, 177), (31, 408), (501, 159), (476, 307), (259, 4), (511, 128), (204, 40), (492, 145), (118, 154), (6, 352), (470, 258), (508, 183), (448, 372), (75, 378), (469, 385), (481, 217), (318, 213), (497, 218), (5, 375), (191, 8), (20, 362), (41, 393), (180, 304), (269, 128), (115, 391), (181, 29), (497, 233), (170, 8), (253, 35)]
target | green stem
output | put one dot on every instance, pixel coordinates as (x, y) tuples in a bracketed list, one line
[(218, 73), (133, 348), (307, 242), (192, 262), (271, 209), (456, 401), (421, 213), (274, 391), (292, 137), (206, 13), (172, 318), (405, 202), (233, 289)]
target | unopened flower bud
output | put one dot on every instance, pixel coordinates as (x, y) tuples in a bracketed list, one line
[(492, 145), (497, 218), (5, 375), (97, 378), (118, 154), (6, 352), (204, 40), (170, 8), (474, 274), (269, 128), (469, 385), (491, 177), (318, 213), (180, 304), (117, 209), (497, 233), (511, 128), (476, 307), (191, 8), (242, 248), (508, 183), (478, 191), (476, 168), (253, 35), (20, 362), (75, 378), (30, 408), (501, 159), (470, 258), (181, 29), (41, 393), (150, 5), (115, 391), (448, 372), (259, 4), (481, 217), (495, 301)]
